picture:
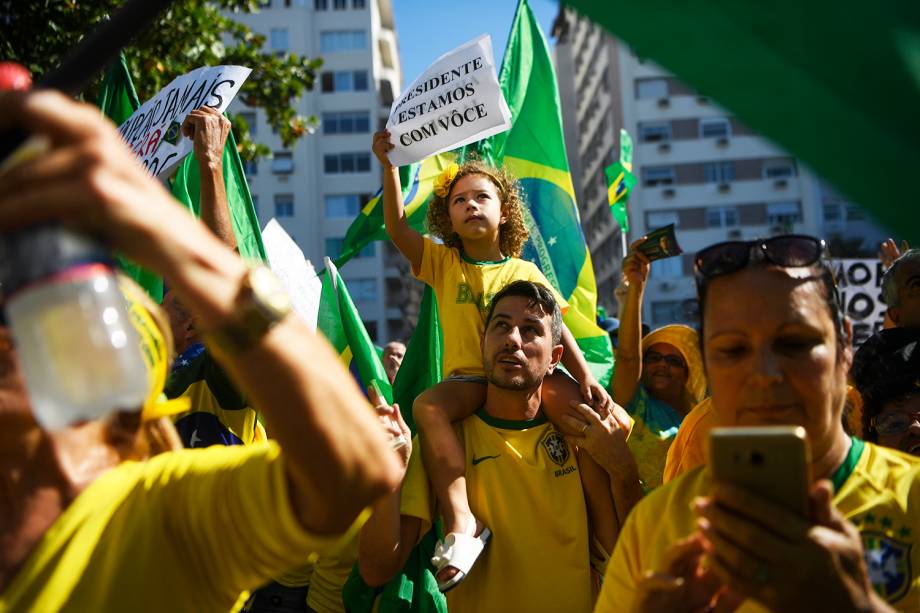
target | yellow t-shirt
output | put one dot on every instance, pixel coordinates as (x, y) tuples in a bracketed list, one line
[(881, 496), (688, 450), (523, 483), (464, 289), (184, 531), (329, 575)]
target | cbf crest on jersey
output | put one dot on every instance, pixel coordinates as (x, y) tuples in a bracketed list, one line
[(555, 447), (889, 565)]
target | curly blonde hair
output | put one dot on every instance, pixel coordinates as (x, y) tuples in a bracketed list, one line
[(512, 233)]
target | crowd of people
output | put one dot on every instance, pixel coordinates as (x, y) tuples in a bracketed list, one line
[(278, 481)]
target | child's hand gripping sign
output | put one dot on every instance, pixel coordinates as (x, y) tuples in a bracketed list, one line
[(456, 101)]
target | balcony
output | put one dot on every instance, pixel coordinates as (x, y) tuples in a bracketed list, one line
[(713, 194), (705, 149)]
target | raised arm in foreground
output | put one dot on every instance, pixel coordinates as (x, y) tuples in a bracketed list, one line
[(336, 453)]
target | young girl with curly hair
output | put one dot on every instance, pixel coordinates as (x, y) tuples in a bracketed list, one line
[(477, 213)]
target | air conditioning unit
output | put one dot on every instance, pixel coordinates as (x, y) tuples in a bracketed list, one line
[(725, 187), (780, 184), (282, 178), (668, 193), (664, 147), (664, 103), (702, 100), (734, 234), (667, 286), (722, 141)]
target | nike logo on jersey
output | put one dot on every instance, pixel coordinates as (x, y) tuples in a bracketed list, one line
[(195, 438), (484, 458)]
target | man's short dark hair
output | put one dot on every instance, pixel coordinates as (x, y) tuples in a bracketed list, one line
[(537, 295)]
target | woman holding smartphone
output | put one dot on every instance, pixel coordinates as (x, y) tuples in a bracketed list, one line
[(777, 350)]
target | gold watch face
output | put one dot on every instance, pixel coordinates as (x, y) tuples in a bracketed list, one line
[(269, 293)]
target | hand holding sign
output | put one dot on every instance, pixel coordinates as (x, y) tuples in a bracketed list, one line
[(208, 129), (456, 101)]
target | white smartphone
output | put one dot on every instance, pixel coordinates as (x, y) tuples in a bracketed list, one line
[(771, 461)]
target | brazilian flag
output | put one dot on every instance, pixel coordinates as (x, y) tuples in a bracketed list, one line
[(339, 321), (621, 181), (118, 101), (534, 150)]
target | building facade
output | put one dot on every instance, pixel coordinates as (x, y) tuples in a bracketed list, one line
[(317, 188), (698, 167)]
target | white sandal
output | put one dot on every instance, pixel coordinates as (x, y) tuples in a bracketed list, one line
[(459, 551)]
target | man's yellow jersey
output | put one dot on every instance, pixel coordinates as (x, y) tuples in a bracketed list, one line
[(878, 489), (464, 289), (184, 531), (523, 483)]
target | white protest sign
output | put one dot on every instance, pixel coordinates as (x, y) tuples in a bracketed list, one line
[(456, 101), (860, 285), (295, 273), (154, 131)]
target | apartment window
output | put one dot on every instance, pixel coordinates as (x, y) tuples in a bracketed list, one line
[(654, 132), (655, 176), (343, 205), (342, 40), (658, 219), (344, 81), (359, 4), (348, 122), (718, 127), (854, 213), (284, 205), (249, 119), (343, 163), (320, 5), (340, 5), (282, 163), (265, 4), (652, 88), (832, 212), (778, 169), (334, 249), (783, 213), (667, 268), (362, 290), (721, 217), (251, 168), (667, 311), (278, 40), (719, 172)]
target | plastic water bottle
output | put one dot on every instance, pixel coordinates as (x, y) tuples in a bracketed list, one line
[(79, 353)]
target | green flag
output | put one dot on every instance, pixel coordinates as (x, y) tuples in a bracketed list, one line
[(621, 181), (339, 321), (118, 101), (415, 589), (534, 150), (833, 82)]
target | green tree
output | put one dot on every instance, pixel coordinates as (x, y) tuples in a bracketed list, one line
[(191, 33)]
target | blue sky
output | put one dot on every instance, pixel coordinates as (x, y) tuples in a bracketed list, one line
[(429, 28)]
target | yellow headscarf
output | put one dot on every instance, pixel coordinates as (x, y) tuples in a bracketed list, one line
[(687, 341)]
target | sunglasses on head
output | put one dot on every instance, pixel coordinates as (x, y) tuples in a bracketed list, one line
[(788, 251)]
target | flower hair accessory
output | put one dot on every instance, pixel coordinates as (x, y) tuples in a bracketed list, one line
[(444, 180)]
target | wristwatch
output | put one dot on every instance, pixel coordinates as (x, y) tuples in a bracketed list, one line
[(260, 304)]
